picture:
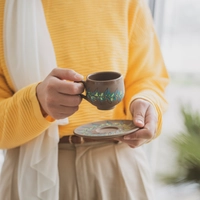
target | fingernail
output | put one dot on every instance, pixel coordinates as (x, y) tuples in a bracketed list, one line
[(139, 121), (79, 76)]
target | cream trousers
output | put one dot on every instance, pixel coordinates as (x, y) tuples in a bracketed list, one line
[(96, 171)]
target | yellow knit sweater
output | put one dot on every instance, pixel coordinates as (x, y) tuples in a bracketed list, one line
[(88, 36)]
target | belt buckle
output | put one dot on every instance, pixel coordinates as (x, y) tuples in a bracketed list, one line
[(71, 139)]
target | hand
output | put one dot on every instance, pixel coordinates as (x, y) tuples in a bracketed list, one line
[(144, 117), (59, 94)]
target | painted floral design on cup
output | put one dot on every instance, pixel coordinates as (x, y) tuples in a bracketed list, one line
[(105, 96)]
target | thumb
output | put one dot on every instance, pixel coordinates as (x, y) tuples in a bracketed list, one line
[(138, 120), (138, 109)]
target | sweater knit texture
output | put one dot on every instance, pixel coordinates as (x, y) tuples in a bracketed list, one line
[(88, 36)]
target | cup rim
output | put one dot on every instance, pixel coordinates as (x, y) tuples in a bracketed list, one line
[(104, 72)]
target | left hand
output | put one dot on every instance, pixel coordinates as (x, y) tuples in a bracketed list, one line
[(144, 117)]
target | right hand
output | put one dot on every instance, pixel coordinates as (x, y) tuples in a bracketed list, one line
[(59, 94)]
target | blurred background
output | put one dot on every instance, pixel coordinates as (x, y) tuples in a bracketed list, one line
[(177, 23)]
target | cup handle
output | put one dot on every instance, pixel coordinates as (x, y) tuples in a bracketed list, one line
[(82, 95)]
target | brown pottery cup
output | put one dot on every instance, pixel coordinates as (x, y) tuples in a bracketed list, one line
[(104, 89)]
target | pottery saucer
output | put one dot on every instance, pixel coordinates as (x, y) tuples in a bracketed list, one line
[(106, 129)]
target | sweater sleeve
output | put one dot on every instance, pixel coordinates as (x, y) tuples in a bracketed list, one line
[(20, 116), (147, 76)]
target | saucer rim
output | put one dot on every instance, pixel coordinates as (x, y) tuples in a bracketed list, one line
[(105, 136)]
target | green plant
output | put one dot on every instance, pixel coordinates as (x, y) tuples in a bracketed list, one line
[(187, 145)]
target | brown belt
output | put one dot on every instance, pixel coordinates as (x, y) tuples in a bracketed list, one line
[(73, 139)]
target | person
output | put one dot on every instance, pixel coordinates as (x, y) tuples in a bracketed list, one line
[(46, 49)]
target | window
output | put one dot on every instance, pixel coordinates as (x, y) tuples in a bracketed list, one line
[(178, 26)]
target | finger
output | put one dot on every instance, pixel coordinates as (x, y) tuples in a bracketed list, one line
[(137, 144), (140, 134), (63, 112), (72, 88), (56, 85), (70, 101), (66, 74), (134, 143), (57, 110), (63, 100)]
